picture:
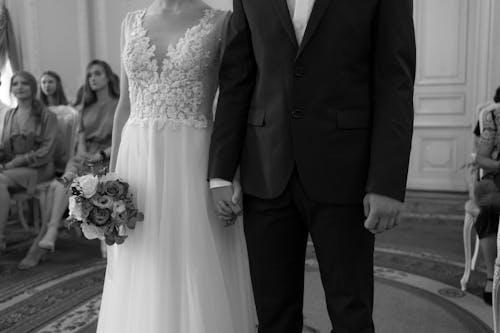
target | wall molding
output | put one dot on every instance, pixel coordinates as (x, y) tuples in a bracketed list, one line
[(83, 19), (423, 97), (32, 54), (100, 14), (483, 60), (463, 22), (494, 49)]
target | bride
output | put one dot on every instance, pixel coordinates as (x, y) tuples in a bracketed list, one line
[(180, 270)]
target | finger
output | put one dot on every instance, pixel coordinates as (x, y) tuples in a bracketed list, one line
[(236, 209), (366, 206), (236, 195), (226, 218), (382, 224), (230, 222), (224, 208), (371, 222), (395, 220), (390, 223)]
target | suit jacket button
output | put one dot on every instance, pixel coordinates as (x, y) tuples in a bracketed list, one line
[(297, 114)]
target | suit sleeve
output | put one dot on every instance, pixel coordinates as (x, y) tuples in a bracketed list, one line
[(237, 77), (394, 75)]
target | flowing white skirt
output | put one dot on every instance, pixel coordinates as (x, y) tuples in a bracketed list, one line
[(181, 270)]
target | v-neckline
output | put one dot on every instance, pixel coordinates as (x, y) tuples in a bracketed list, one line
[(172, 48)]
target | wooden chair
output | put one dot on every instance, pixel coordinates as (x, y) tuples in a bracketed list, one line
[(41, 195), (496, 276), (471, 213)]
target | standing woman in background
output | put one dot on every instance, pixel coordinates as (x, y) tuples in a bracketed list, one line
[(27, 144), (100, 98)]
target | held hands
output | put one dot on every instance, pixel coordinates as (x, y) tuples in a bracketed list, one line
[(381, 212), (228, 202)]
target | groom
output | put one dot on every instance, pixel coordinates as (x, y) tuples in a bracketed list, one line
[(316, 109)]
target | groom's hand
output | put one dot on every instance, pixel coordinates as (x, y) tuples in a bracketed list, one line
[(222, 198), (381, 212)]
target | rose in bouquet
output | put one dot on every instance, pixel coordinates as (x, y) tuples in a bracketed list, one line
[(102, 205)]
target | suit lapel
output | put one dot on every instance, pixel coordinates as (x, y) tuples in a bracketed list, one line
[(317, 13), (283, 12)]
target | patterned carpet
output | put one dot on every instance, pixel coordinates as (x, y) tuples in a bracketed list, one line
[(63, 294), (69, 277), (48, 301)]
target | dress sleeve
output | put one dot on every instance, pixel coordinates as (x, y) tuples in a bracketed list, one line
[(45, 151)]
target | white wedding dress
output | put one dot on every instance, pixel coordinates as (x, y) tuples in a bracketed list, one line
[(181, 270)]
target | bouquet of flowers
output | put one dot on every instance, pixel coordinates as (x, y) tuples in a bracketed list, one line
[(102, 205)]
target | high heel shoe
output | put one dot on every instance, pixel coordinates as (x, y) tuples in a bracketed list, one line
[(487, 291), (35, 256), (48, 240)]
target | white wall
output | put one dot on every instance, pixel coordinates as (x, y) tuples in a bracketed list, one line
[(64, 35), (494, 58), (455, 73)]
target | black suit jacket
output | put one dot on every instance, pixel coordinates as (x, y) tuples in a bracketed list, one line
[(339, 107)]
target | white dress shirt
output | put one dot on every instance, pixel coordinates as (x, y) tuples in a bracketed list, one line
[(300, 11)]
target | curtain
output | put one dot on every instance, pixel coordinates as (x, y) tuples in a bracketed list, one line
[(8, 47)]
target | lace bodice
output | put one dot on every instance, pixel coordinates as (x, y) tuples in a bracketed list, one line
[(180, 90)]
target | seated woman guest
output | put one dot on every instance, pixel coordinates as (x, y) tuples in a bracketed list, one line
[(27, 144), (100, 97), (487, 191), (51, 90), (52, 96)]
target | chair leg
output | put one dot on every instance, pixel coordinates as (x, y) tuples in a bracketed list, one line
[(476, 254), (496, 291), (21, 216), (36, 215), (468, 223)]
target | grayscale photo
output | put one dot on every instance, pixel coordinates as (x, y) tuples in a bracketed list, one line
[(249, 166)]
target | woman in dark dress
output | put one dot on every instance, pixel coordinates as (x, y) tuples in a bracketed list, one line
[(487, 191)]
